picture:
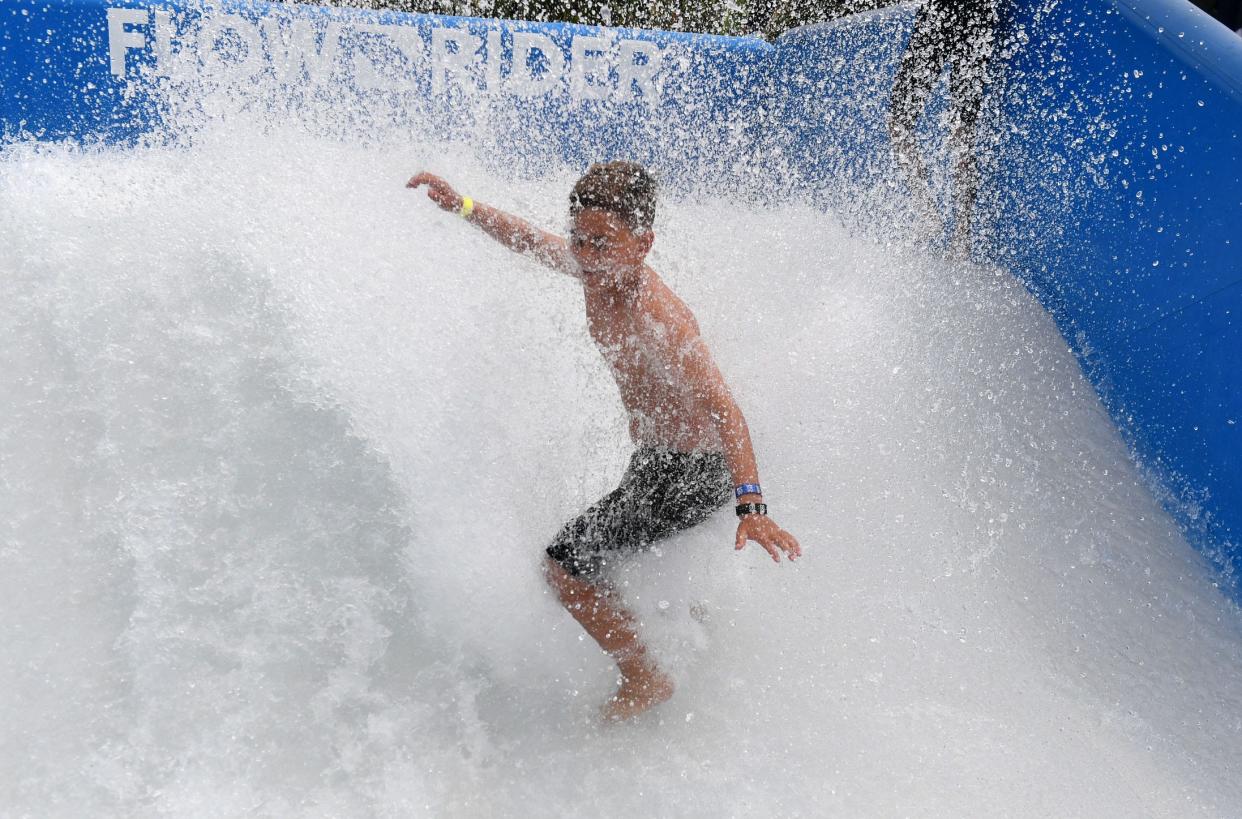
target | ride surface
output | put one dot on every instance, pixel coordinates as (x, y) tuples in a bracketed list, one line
[(273, 424)]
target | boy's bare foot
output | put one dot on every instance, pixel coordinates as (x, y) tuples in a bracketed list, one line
[(642, 687)]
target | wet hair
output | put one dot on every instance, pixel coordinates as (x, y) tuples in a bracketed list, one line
[(624, 188)]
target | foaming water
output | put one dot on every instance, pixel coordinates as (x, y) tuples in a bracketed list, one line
[(282, 444)]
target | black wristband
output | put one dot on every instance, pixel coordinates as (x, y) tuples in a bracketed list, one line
[(744, 509)]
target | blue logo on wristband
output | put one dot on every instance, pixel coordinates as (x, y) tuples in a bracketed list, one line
[(747, 489)]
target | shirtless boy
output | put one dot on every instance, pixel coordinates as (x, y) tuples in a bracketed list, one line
[(692, 447)]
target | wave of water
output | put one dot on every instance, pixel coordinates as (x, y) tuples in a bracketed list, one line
[(282, 444)]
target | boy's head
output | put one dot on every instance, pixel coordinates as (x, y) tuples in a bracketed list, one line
[(622, 188), (613, 208)]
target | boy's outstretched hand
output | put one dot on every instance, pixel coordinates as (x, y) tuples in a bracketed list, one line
[(764, 531), (438, 190)]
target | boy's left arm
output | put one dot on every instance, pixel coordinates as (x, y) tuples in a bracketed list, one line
[(699, 373)]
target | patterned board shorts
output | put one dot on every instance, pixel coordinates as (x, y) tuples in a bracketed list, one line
[(661, 492)]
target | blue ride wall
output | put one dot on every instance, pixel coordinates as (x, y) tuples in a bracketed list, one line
[(1113, 186), (1141, 261)]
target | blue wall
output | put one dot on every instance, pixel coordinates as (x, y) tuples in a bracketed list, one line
[(1114, 190), (1122, 207)]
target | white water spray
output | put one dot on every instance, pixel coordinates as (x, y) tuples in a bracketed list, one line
[(282, 445)]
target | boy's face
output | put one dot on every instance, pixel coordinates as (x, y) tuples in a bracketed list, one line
[(602, 244)]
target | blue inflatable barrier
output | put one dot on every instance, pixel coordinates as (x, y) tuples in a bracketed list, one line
[(1122, 208), (1114, 187)]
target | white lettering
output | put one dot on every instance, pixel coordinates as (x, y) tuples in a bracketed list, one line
[(586, 66), (412, 47), (638, 75), (163, 41), (169, 61), (295, 49), (522, 78), (374, 65), (493, 60), (215, 31), (121, 39), (384, 57), (458, 61)]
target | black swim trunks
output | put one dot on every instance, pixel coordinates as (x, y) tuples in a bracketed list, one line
[(661, 492)]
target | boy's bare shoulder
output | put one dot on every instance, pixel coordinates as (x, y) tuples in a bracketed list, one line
[(669, 312)]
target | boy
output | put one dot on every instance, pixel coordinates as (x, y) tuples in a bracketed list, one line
[(693, 449)]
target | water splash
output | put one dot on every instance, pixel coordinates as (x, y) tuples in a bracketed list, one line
[(284, 444)]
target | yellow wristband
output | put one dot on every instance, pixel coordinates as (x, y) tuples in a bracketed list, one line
[(467, 207)]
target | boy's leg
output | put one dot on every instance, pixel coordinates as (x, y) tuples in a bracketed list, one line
[(643, 684), (968, 82), (921, 65)]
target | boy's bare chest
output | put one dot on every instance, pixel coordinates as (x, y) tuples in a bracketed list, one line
[(630, 342)]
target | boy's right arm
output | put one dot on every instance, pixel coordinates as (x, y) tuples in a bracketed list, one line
[(512, 232)]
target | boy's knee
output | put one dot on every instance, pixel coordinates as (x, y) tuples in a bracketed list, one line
[(570, 588), (557, 577), (551, 570)]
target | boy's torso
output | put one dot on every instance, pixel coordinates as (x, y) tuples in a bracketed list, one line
[(639, 338)]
